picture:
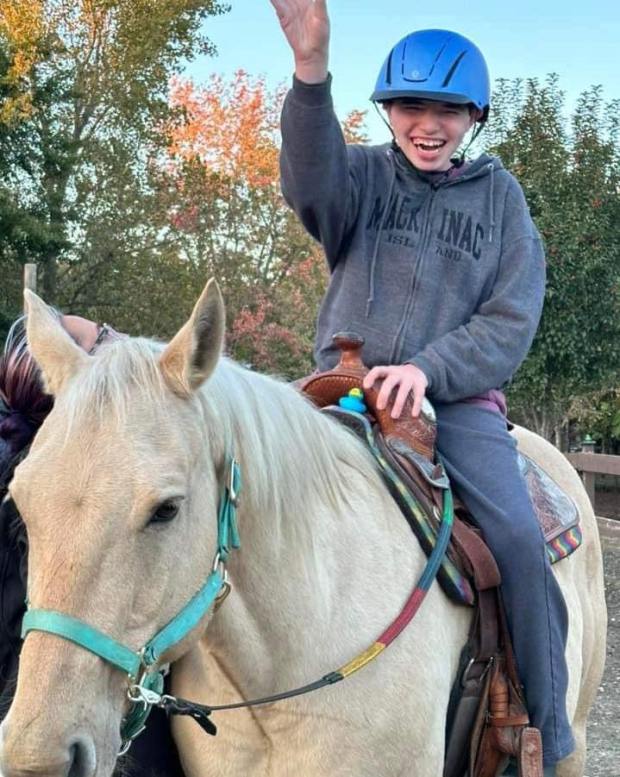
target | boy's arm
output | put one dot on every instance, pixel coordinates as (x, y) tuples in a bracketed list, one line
[(485, 353), (317, 181), (319, 178)]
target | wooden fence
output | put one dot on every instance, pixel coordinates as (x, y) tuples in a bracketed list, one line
[(589, 465)]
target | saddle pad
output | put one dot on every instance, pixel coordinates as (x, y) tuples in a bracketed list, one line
[(454, 583), (557, 513)]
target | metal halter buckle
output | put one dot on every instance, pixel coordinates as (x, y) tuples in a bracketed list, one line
[(232, 492)]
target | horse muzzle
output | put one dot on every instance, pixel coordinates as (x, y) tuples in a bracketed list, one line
[(76, 759)]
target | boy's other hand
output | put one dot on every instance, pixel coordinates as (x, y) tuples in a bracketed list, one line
[(406, 378), (306, 26)]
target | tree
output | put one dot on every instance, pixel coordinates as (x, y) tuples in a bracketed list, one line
[(84, 93), (571, 178), (231, 221)]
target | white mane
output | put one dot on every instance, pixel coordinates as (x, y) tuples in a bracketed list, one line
[(276, 433), (284, 440)]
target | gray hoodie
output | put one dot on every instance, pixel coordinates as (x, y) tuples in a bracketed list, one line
[(444, 272)]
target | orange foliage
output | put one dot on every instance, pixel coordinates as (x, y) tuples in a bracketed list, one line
[(224, 171), (21, 24), (233, 127), (354, 128), (230, 127)]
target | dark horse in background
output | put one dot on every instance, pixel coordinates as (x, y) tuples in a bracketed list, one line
[(23, 407)]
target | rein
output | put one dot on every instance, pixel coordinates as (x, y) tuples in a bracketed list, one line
[(145, 686), (201, 712)]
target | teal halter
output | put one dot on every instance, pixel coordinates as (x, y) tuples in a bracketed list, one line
[(137, 665)]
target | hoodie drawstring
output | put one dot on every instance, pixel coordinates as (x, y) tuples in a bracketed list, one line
[(491, 167), (375, 253)]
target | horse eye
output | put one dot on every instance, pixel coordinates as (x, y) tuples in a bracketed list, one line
[(166, 511)]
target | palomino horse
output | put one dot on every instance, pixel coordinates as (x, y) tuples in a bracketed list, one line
[(120, 497)]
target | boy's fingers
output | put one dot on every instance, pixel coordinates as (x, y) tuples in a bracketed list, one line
[(321, 6), (418, 396), (386, 390), (372, 376), (280, 6), (401, 398)]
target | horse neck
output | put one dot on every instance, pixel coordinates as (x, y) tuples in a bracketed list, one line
[(317, 528)]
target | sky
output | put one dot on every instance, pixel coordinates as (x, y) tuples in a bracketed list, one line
[(577, 39)]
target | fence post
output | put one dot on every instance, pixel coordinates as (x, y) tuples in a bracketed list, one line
[(30, 276)]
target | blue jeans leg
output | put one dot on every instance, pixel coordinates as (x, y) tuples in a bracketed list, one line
[(481, 460)]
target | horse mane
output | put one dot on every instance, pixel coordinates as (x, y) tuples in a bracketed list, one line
[(257, 418), (299, 449)]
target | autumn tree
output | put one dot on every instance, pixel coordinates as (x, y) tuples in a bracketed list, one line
[(84, 94), (570, 172), (230, 218)]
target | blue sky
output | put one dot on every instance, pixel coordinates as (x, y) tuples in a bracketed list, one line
[(579, 40)]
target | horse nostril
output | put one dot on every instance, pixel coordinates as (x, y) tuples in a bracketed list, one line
[(81, 758)]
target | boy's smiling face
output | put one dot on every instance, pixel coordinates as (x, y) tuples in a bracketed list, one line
[(429, 132)]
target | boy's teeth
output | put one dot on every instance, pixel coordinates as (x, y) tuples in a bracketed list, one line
[(429, 143)]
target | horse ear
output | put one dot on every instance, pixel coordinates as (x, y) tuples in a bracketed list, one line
[(193, 353), (54, 350)]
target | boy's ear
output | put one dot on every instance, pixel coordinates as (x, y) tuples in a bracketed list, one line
[(475, 114)]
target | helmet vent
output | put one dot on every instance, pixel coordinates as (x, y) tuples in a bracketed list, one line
[(453, 67)]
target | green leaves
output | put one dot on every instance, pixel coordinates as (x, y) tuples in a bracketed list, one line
[(570, 172)]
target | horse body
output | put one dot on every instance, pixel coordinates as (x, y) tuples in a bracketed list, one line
[(326, 564)]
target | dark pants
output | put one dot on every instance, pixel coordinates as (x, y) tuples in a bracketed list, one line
[(480, 457)]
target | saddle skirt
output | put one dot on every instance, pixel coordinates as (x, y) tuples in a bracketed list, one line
[(406, 446)]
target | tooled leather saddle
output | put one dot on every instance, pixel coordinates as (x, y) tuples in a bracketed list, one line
[(487, 719)]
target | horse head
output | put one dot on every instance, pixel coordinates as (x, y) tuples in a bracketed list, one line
[(112, 494)]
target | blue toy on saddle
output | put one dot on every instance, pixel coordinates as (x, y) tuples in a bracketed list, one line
[(488, 688)]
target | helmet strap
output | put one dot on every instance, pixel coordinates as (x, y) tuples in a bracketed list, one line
[(381, 112), (473, 137)]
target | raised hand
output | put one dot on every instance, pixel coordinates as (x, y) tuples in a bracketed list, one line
[(305, 24)]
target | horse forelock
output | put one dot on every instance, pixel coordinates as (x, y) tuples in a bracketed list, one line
[(118, 374)]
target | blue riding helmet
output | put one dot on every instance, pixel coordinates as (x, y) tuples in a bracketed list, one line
[(435, 65)]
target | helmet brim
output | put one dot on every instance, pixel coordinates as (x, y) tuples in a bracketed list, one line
[(388, 95)]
